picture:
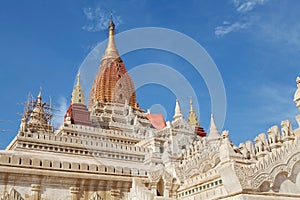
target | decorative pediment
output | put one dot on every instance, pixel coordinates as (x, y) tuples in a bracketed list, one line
[(155, 174), (158, 173), (198, 158)]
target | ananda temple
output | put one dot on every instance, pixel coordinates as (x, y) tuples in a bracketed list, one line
[(109, 149)]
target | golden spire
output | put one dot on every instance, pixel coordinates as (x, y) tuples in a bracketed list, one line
[(193, 118), (112, 83), (191, 105), (111, 49), (77, 94)]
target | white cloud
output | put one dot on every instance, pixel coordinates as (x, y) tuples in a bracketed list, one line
[(226, 28), (60, 111), (242, 7), (98, 19), (247, 5)]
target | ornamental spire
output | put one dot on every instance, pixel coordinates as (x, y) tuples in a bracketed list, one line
[(193, 118), (178, 114), (111, 49), (77, 94), (214, 133)]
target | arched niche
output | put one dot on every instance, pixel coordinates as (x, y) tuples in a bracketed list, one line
[(288, 187), (264, 187), (295, 173), (279, 179), (160, 187)]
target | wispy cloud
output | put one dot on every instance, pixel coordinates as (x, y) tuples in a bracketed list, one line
[(286, 33), (227, 27), (98, 19), (243, 8), (60, 111)]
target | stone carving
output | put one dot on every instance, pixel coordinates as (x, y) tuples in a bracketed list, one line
[(261, 143), (250, 148), (139, 191), (281, 160), (245, 152), (23, 124), (273, 134), (36, 191), (286, 129), (155, 175), (225, 135), (96, 196), (167, 177), (11, 195)]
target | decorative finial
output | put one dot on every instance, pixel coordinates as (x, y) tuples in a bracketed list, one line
[(78, 78), (111, 49), (212, 123), (111, 23), (40, 93), (191, 104)]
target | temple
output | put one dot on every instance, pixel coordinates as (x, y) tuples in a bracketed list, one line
[(112, 149)]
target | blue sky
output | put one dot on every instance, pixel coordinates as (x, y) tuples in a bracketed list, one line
[(254, 43)]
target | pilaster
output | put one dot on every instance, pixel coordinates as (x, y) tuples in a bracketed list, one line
[(74, 193), (35, 192), (115, 194)]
